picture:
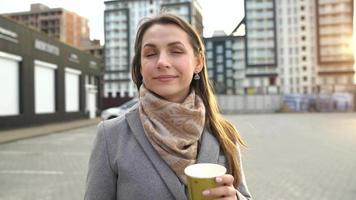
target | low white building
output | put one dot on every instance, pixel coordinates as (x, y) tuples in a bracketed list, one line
[(43, 80)]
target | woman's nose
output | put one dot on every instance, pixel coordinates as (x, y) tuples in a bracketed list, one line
[(163, 61)]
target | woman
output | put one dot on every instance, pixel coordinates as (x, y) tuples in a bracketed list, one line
[(142, 154)]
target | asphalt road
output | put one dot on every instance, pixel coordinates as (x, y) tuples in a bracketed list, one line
[(289, 157)]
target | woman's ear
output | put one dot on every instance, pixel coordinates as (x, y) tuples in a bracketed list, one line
[(200, 63)]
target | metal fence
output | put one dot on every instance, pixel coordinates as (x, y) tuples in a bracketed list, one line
[(249, 104), (334, 102)]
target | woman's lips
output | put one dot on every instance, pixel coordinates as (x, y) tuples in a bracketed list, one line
[(165, 78)]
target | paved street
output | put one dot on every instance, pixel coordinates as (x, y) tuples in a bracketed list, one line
[(51, 167), (300, 156), (289, 157)]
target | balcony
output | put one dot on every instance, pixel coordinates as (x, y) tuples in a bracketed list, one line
[(340, 19), (328, 2), (259, 25), (264, 70), (335, 40), (256, 6), (265, 44), (335, 30), (259, 15), (260, 34), (339, 8)]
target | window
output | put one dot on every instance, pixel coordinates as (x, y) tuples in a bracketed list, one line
[(220, 68), (210, 73), (219, 59), (229, 83), (228, 53), (209, 54), (281, 50), (220, 78), (272, 81), (228, 44), (210, 64), (219, 49), (229, 63)]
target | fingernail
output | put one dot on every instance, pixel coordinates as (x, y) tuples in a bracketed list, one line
[(206, 192), (218, 179)]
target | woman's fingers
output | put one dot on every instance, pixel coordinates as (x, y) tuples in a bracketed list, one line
[(226, 198), (226, 179), (222, 191), (225, 189)]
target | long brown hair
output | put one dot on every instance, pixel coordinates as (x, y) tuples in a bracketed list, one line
[(223, 130)]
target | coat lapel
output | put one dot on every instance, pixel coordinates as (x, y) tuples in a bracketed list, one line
[(209, 149), (166, 173)]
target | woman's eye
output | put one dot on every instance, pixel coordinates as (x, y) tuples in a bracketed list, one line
[(177, 52), (150, 54)]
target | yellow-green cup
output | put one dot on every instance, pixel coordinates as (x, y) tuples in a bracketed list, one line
[(201, 177)]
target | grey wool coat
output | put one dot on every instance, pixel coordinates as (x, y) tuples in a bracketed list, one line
[(125, 166)]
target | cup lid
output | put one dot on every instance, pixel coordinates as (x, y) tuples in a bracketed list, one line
[(205, 170)]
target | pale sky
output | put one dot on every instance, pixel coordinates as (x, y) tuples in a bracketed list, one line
[(217, 14)]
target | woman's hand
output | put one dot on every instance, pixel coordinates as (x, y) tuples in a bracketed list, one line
[(225, 189)]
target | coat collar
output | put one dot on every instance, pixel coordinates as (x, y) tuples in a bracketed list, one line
[(209, 148), (208, 153)]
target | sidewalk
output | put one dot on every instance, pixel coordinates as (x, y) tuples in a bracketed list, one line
[(27, 132)]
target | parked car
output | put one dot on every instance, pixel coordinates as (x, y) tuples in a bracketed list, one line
[(111, 113)]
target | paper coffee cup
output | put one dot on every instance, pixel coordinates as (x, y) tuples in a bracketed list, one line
[(201, 177)]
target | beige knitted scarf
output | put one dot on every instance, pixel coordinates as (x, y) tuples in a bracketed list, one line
[(173, 128)]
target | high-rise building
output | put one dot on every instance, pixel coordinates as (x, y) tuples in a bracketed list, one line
[(225, 57), (307, 43), (261, 46), (334, 44), (296, 39), (121, 20), (59, 23)]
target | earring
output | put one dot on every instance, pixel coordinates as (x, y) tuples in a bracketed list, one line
[(196, 77)]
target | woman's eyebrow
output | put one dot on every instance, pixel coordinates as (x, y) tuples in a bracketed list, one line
[(176, 43), (149, 45), (169, 44)]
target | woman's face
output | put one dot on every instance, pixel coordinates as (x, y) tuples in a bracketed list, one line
[(168, 62)]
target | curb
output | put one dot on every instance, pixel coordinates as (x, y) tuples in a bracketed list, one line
[(28, 132)]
